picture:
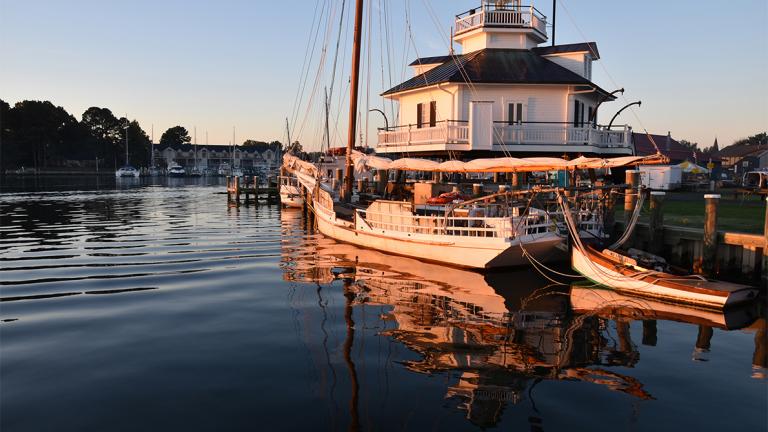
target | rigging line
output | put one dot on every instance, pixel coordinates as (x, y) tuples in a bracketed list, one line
[(345, 93), (304, 64), (318, 78), (608, 74), (338, 42), (302, 87), (368, 77)]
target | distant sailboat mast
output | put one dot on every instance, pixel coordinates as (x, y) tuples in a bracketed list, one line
[(126, 138), (233, 149), (152, 148)]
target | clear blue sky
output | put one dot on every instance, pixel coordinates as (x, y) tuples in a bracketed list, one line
[(699, 67)]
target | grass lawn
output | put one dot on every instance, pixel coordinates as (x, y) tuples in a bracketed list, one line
[(687, 210)]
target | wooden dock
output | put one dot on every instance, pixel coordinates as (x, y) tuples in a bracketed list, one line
[(245, 192)]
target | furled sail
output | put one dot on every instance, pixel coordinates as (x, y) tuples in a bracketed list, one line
[(504, 164)]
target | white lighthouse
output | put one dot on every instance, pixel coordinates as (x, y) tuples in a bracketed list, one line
[(503, 92)]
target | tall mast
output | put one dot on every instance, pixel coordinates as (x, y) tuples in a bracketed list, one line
[(327, 131), (554, 20), (288, 131), (152, 148), (346, 195), (195, 134)]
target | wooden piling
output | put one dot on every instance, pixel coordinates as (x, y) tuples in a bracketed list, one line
[(631, 194), (515, 181), (763, 251), (656, 231), (237, 190), (229, 189), (709, 252), (256, 189), (477, 189)]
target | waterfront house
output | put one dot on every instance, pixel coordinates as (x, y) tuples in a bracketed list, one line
[(744, 157), (503, 93)]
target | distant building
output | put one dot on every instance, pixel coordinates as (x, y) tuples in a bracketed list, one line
[(668, 146), (743, 158), (213, 156)]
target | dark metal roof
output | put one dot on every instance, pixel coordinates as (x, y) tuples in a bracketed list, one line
[(741, 150), (496, 66), (569, 48), (668, 146), (430, 60)]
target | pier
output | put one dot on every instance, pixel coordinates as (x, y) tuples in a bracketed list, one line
[(245, 192)]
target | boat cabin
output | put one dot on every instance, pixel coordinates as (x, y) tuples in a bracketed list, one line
[(503, 93)]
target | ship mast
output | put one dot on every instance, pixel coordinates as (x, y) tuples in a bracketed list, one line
[(346, 195)]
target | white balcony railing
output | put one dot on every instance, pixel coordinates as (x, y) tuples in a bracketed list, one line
[(447, 132), (499, 16), (455, 132), (560, 134)]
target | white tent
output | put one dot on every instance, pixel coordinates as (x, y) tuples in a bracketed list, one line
[(691, 168)]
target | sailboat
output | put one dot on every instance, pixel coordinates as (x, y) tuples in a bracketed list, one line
[(490, 230), (195, 171), (127, 170)]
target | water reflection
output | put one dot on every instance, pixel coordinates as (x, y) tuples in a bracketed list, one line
[(500, 334)]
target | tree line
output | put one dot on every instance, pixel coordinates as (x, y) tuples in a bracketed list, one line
[(41, 135)]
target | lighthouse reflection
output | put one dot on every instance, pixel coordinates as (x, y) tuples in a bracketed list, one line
[(497, 335)]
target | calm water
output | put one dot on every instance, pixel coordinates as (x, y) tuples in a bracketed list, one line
[(157, 307)]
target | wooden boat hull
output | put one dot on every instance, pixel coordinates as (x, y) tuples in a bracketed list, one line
[(477, 252), (609, 272)]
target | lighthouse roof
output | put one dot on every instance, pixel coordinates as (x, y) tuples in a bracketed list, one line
[(495, 66), (590, 47)]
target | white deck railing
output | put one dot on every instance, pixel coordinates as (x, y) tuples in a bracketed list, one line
[(524, 16), (504, 134), (496, 227), (560, 134), (444, 133)]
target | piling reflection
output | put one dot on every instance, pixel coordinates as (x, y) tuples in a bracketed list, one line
[(500, 333)]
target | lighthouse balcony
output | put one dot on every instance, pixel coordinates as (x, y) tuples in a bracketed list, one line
[(502, 15), (502, 137)]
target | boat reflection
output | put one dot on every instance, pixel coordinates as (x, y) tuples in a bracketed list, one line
[(500, 334)]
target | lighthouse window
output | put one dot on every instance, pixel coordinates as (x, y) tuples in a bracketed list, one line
[(419, 115), (515, 113), (426, 115), (432, 114)]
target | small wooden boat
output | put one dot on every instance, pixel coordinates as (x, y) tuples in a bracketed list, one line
[(624, 274)]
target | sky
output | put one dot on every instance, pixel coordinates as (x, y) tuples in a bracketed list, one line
[(699, 67)]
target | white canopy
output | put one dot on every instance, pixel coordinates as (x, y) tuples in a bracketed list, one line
[(690, 167)]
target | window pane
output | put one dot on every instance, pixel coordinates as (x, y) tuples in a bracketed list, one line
[(419, 115), (432, 114)]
